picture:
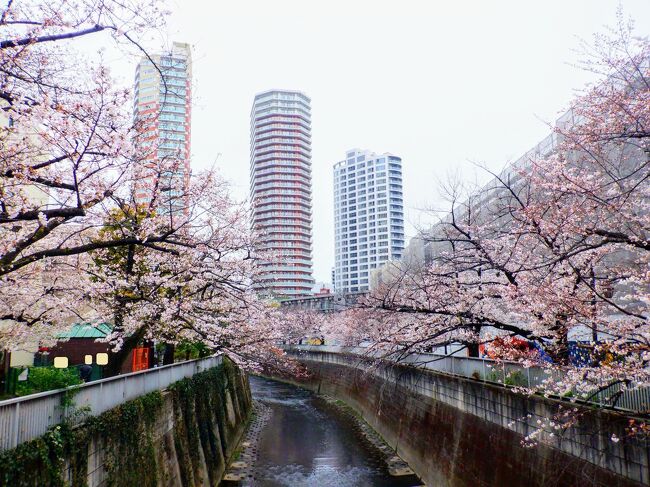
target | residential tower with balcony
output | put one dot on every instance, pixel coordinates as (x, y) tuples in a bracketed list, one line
[(368, 216), (280, 191), (162, 112)]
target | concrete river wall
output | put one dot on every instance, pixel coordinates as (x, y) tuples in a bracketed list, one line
[(456, 431), (182, 435)]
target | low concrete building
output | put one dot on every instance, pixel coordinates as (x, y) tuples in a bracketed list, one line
[(327, 303)]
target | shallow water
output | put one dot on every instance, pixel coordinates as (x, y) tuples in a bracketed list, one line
[(309, 442)]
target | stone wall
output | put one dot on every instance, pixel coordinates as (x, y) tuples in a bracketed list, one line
[(182, 436), (461, 432)]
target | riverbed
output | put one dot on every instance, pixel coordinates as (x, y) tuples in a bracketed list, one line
[(307, 441)]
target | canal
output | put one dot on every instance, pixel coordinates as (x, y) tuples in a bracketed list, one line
[(308, 441)]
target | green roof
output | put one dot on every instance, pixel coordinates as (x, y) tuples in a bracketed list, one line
[(86, 330)]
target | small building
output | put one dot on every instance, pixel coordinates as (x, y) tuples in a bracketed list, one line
[(85, 339), (322, 303)]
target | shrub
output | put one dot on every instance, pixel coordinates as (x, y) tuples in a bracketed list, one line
[(516, 378), (186, 350), (42, 379), (494, 376)]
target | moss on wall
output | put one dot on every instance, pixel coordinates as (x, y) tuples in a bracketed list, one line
[(200, 405), (129, 458), (130, 435)]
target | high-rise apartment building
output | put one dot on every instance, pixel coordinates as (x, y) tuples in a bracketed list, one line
[(368, 216), (280, 189), (162, 107)]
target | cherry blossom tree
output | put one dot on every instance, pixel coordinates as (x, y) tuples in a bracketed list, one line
[(74, 243), (193, 284), (66, 145), (552, 250)]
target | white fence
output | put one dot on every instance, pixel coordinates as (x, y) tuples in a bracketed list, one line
[(25, 418), (502, 372)]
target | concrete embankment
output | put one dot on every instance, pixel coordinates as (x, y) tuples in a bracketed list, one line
[(460, 432), (181, 436)]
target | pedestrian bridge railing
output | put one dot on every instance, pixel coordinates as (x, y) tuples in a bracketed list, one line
[(498, 372), (28, 417)]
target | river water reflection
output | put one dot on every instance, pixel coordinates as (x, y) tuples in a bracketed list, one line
[(309, 442)]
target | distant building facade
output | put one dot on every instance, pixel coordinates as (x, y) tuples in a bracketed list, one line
[(431, 244), (162, 107), (323, 303), (368, 217), (280, 190)]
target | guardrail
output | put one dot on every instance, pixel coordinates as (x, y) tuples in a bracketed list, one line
[(488, 370), (590, 440), (28, 417)]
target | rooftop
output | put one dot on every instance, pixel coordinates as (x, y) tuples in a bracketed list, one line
[(86, 330)]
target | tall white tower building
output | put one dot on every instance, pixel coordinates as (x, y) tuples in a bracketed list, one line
[(368, 216), (280, 183)]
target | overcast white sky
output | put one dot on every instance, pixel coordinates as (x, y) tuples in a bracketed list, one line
[(439, 83)]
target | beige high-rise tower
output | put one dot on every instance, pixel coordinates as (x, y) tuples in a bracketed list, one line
[(280, 185), (162, 107)]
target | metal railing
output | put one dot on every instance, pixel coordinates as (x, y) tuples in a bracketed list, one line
[(497, 372), (25, 418)]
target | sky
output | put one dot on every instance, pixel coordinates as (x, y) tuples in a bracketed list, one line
[(445, 85)]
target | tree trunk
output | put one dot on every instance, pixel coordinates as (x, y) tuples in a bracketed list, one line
[(117, 359), (168, 356), (473, 349), (559, 352)]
